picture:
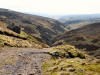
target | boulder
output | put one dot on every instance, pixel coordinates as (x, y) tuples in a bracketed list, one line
[(56, 54), (14, 28)]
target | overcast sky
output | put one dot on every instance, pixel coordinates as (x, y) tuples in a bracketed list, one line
[(53, 6)]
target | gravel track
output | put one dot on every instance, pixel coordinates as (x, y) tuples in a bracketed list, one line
[(22, 61)]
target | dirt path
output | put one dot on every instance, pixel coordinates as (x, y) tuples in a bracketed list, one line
[(22, 61)]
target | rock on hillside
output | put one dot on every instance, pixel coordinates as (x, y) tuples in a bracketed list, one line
[(70, 61), (14, 28), (9, 38)]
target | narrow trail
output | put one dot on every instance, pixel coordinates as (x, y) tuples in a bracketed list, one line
[(22, 61)]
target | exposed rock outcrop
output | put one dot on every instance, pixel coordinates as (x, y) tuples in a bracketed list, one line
[(14, 28)]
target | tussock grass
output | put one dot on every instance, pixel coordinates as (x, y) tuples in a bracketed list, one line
[(70, 66), (13, 42), (11, 39)]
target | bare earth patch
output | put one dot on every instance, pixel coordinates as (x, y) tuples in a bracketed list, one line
[(22, 61)]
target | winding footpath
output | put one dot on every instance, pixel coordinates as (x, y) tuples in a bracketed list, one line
[(22, 61)]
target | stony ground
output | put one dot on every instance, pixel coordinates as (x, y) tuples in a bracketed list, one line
[(22, 61)]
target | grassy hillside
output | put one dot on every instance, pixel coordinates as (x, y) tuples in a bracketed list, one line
[(67, 60), (8, 38), (87, 38), (40, 27)]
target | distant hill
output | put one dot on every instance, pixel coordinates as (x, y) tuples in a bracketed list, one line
[(87, 37), (42, 28), (45, 15), (77, 21)]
